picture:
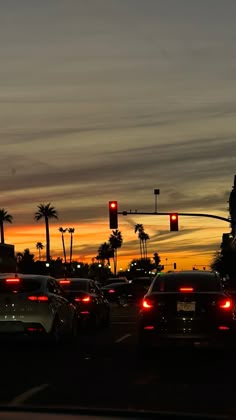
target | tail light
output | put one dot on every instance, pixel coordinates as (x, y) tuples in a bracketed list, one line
[(85, 299), (64, 281), (226, 304), (147, 304), (111, 291), (13, 281), (186, 289), (35, 298)]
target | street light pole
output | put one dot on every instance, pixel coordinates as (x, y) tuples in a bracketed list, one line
[(156, 193)]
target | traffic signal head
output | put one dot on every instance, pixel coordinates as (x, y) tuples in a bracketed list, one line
[(174, 222), (113, 215)]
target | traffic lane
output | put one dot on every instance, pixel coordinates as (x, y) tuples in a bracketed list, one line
[(108, 373), (26, 366)]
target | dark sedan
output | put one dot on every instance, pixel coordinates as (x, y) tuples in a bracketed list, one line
[(92, 305), (187, 307), (125, 293)]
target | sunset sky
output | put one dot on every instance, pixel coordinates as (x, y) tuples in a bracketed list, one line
[(108, 99)]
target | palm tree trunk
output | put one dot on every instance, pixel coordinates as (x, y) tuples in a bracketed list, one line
[(47, 240), (140, 245), (39, 255), (2, 233), (64, 248), (115, 261), (71, 244), (143, 249)]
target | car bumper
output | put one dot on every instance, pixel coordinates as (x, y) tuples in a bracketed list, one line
[(214, 338)]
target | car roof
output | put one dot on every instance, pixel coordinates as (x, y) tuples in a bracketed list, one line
[(187, 273), (75, 279), (40, 277), (123, 283)]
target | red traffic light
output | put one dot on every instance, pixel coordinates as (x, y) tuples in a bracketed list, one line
[(174, 222), (113, 204), (113, 215)]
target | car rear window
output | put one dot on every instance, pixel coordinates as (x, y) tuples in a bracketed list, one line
[(74, 285), (199, 283), (111, 281), (142, 281), (16, 285)]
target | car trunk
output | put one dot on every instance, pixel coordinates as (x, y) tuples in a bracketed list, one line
[(191, 312)]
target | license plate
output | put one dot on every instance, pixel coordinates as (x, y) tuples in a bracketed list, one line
[(186, 306), (11, 327)]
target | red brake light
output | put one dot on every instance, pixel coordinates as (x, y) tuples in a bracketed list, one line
[(147, 304), (13, 280), (186, 289), (226, 304), (84, 299), (41, 298), (111, 291), (64, 281)]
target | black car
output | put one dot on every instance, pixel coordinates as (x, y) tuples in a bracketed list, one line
[(112, 280), (187, 307), (118, 292), (92, 305), (125, 293)]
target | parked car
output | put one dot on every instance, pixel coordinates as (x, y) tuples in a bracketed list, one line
[(92, 305), (35, 306), (187, 307)]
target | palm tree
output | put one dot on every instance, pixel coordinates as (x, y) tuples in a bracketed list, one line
[(115, 242), (63, 241), (39, 246), (71, 231), (4, 217), (46, 212), (139, 228), (105, 252), (145, 237)]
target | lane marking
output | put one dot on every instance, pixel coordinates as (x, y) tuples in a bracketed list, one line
[(21, 398), (123, 338)]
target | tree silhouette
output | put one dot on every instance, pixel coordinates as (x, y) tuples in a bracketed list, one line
[(115, 241), (4, 217), (139, 229), (63, 241), (71, 231), (46, 212), (39, 246), (105, 252)]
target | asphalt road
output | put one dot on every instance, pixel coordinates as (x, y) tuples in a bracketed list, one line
[(105, 370)]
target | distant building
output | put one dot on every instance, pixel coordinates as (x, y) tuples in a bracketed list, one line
[(7, 258)]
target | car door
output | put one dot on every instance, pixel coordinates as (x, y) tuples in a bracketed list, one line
[(60, 305), (97, 298)]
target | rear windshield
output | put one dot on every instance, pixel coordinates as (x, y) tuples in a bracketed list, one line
[(115, 281), (76, 285), (142, 281), (12, 285), (199, 283)]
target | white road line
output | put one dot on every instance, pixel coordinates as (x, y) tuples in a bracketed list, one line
[(123, 338), (21, 398)]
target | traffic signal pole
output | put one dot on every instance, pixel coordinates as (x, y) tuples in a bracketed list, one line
[(212, 216)]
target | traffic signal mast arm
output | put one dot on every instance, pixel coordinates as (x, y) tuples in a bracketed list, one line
[(126, 213)]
